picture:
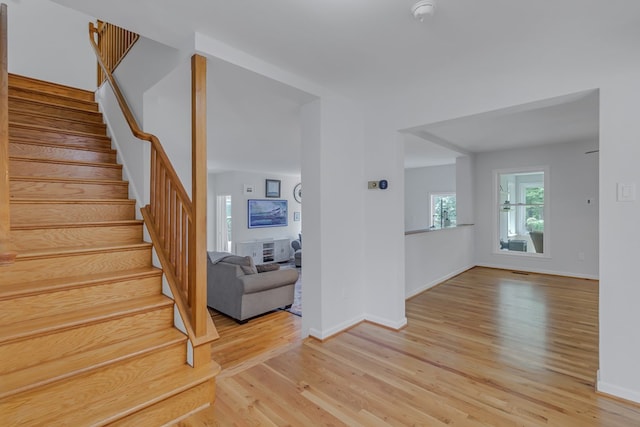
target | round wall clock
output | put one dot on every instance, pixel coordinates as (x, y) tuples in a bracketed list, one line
[(297, 192)]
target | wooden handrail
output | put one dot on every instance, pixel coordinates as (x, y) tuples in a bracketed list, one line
[(6, 255), (174, 224)]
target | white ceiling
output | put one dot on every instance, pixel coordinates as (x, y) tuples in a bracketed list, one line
[(419, 153), (368, 49), (360, 47), (567, 118)]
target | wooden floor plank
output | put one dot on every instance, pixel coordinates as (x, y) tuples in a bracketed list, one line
[(486, 348)]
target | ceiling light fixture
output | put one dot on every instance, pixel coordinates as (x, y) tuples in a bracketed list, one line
[(423, 8)]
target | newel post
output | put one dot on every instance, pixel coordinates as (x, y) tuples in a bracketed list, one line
[(6, 255), (198, 282)]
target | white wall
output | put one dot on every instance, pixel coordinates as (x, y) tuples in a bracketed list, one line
[(384, 227), (619, 236), (333, 211), (232, 183), (167, 114), (572, 227), (434, 256), (50, 42), (146, 63), (465, 189), (419, 183)]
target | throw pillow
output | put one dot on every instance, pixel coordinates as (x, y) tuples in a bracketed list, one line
[(245, 263), (267, 267)]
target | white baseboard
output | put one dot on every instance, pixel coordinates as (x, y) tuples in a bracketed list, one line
[(395, 325), (343, 326), (328, 333), (437, 281), (540, 271), (617, 391)]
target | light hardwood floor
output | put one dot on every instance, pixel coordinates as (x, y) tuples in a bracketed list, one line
[(486, 348)]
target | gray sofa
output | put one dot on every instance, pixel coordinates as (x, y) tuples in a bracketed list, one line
[(235, 288)]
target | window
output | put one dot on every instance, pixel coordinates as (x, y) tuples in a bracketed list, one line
[(443, 210), (521, 208)]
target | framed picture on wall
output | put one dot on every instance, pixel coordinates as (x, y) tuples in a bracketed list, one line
[(272, 188)]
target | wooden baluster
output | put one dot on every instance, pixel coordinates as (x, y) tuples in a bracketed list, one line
[(174, 227), (6, 255), (198, 242), (185, 250)]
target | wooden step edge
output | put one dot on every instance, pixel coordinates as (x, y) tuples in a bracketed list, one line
[(17, 81), (38, 114), (53, 200), (80, 250), (96, 224), (25, 289), (57, 370), (174, 410), (39, 128), (68, 180), (167, 386), (53, 99), (67, 162), (18, 140), (69, 108), (40, 326)]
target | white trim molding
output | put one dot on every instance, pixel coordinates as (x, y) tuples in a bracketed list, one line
[(617, 391)]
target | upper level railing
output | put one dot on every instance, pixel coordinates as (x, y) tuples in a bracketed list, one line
[(6, 255), (114, 44), (176, 224)]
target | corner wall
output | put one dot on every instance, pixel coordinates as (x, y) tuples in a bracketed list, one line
[(571, 230)]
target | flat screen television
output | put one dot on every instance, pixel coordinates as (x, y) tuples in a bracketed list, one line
[(268, 213)]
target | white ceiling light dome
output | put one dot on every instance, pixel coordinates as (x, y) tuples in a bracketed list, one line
[(423, 8)]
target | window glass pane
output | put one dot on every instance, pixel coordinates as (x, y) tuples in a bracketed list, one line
[(443, 210), (521, 203)]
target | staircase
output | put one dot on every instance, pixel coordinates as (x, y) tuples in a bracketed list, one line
[(86, 335)]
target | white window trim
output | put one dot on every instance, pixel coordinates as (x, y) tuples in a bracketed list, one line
[(547, 209)]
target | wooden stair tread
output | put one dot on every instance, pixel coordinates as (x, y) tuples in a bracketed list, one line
[(66, 162), (110, 401), (68, 180), (43, 325), (30, 200), (52, 99), (36, 102), (100, 136), (90, 121), (78, 224), (67, 251), (38, 114), (19, 140), (154, 390), (59, 369), (70, 282), (43, 86)]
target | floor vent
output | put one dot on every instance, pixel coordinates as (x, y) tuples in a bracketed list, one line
[(520, 272)]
